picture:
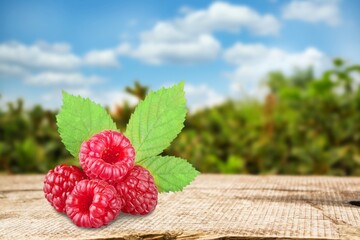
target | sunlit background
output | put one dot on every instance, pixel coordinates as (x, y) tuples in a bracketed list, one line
[(272, 86)]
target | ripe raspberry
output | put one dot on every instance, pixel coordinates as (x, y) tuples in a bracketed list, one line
[(138, 192), (107, 155), (93, 203), (59, 182)]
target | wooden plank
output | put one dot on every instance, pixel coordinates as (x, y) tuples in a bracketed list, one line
[(212, 207)]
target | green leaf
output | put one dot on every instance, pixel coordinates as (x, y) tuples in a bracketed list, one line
[(171, 174), (79, 119), (157, 121)]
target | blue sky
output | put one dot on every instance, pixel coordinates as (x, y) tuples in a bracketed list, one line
[(221, 49)]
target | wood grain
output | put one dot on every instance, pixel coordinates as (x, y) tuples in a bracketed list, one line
[(212, 207)]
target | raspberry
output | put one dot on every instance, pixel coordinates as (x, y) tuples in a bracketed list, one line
[(107, 155), (138, 192), (59, 182), (93, 203)]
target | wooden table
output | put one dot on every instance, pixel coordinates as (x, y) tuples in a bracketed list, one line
[(212, 207)]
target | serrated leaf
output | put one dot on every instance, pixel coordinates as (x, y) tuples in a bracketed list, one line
[(157, 121), (79, 119), (171, 174)]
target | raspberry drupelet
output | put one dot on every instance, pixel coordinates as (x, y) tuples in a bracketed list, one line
[(93, 203), (59, 182), (107, 155), (138, 192)]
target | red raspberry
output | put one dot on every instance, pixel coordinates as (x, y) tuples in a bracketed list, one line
[(59, 182), (93, 203), (107, 155), (138, 192)]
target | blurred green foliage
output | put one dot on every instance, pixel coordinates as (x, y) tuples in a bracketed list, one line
[(305, 125)]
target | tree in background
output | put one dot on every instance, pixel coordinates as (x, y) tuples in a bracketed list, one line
[(122, 113), (305, 125), (28, 139)]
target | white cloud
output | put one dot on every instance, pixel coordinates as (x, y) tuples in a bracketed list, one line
[(123, 49), (200, 49), (45, 64), (188, 39), (54, 78), (83, 92), (52, 100), (202, 96), (39, 56), (326, 11), (7, 70), (104, 58), (222, 16), (58, 56), (186, 10), (115, 98), (55, 97), (254, 61)]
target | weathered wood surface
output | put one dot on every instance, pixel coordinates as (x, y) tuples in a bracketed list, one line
[(212, 207)]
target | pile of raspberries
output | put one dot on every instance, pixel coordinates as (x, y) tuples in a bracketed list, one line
[(110, 183)]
